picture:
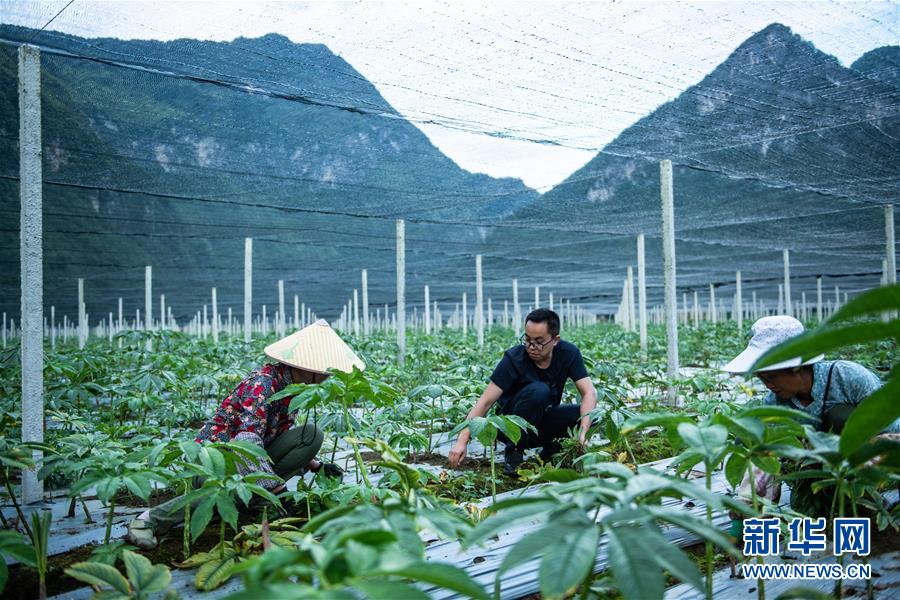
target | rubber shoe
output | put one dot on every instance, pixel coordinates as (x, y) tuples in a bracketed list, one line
[(140, 533), (514, 458)]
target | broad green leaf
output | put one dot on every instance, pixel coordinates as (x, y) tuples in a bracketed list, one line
[(873, 301), (871, 417), (138, 485), (444, 576), (768, 413), (769, 464), (560, 475), (735, 469), (201, 516), (388, 590), (214, 573), (828, 338), (654, 420), (100, 575), (145, 576), (537, 509), (533, 544), (561, 571), (635, 572), (227, 510), (4, 575), (707, 440), (509, 428)]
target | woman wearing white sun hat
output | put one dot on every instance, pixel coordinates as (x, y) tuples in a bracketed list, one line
[(827, 391), (246, 415)]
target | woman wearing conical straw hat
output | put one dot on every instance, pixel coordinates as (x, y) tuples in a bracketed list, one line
[(246, 415)]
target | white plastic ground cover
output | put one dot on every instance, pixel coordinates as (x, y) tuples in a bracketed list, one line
[(69, 533)]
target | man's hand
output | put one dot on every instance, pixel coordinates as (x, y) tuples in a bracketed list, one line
[(457, 454), (582, 439)]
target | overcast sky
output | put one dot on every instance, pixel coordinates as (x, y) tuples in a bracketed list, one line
[(495, 76)]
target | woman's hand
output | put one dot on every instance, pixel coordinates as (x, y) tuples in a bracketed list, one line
[(457, 454)]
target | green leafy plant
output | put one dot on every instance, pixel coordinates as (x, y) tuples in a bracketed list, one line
[(485, 430), (143, 578), (16, 546)]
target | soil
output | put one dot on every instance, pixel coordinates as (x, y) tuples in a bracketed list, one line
[(23, 581)]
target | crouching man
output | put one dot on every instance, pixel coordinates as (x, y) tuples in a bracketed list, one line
[(528, 382)]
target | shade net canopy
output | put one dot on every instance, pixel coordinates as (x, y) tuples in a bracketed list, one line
[(531, 135)]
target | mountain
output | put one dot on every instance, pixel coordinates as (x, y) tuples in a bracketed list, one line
[(881, 63), (778, 147), (170, 153)]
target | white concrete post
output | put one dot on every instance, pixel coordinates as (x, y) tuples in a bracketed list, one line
[(537, 297), (506, 313), (788, 306), (280, 323), (517, 310), (479, 302), (355, 312), (629, 283), (642, 293), (148, 298), (696, 308), (53, 326), (367, 328), (204, 325), (215, 317), (738, 309), (713, 311), (427, 312), (81, 316), (755, 308), (31, 255), (248, 289), (891, 258), (465, 314), (780, 309), (490, 314), (668, 242), (401, 292), (819, 299)]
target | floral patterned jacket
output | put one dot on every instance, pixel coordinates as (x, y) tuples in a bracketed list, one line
[(246, 414)]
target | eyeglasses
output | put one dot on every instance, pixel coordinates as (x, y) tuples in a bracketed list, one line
[(536, 345)]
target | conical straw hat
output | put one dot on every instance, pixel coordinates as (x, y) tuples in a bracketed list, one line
[(315, 348)]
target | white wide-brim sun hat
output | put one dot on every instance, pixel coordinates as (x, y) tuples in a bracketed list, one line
[(767, 333), (315, 348)]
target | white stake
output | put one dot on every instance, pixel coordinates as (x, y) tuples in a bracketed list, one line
[(537, 297), (517, 310), (642, 293), (819, 299), (281, 318), (713, 312), (148, 302), (788, 306), (81, 316), (367, 328), (465, 315), (738, 309), (479, 302), (427, 312), (401, 292), (215, 317), (668, 242), (355, 312), (248, 289)]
